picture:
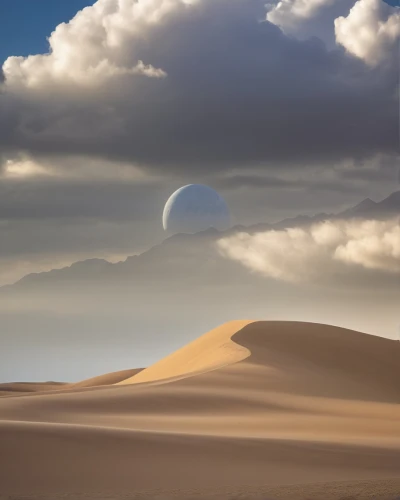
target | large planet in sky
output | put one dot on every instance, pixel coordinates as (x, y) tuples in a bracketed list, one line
[(195, 208)]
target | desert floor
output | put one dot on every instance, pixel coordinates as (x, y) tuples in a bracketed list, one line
[(251, 410)]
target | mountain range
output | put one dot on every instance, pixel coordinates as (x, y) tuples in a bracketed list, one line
[(182, 251)]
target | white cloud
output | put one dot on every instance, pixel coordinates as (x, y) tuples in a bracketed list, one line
[(319, 251), (306, 18), (371, 31), (288, 14), (98, 44), (72, 168), (296, 9), (24, 167), (371, 244)]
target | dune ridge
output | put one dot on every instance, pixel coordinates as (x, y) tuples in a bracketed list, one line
[(106, 379), (10, 389), (208, 352), (281, 407)]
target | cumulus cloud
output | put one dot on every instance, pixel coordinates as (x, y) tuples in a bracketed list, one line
[(37, 71), (319, 251), (371, 31), (196, 86), (296, 9), (92, 47), (306, 18)]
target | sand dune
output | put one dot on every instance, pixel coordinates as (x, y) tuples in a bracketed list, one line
[(24, 387), (209, 352), (250, 410), (107, 379)]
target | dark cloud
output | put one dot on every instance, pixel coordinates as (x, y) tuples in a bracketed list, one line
[(62, 199), (238, 92), (266, 182), (255, 181), (370, 174)]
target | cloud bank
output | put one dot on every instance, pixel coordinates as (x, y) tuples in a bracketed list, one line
[(319, 251), (203, 85)]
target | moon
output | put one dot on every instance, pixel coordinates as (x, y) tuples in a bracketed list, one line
[(195, 208)]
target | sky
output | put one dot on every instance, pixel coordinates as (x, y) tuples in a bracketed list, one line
[(26, 25), (284, 109)]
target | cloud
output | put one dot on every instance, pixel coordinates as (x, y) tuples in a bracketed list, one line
[(91, 48), (320, 252), (290, 182), (297, 9), (371, 31), (25, 168), (307, 18), (193, 87), (47, 197), (38, 71)]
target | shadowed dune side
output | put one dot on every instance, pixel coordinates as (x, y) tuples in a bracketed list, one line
[(21, 388), (213, 350), (323, 360), (29, 387)]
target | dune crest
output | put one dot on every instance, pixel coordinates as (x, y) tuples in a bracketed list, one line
[(21, 388), (211, 351), (106, 379), (11, 388)]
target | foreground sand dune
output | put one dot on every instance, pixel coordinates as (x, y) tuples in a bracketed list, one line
[(213, 350), (288, 410)]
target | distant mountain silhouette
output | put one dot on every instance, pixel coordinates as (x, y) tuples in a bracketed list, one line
[(191, 258), (369, 208)]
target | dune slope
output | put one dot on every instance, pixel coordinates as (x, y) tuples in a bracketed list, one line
[(10, 389), (209, 352), (252, 408), (107, 379)]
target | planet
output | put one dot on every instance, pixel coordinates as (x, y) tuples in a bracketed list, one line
[(195, 208)]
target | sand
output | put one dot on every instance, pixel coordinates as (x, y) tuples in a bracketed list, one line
[(25, 387), (251, 410), (107, 379), (213, 350), (14, 388)]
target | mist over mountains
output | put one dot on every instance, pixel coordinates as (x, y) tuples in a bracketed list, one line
[(127, 314), (186, 252)]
